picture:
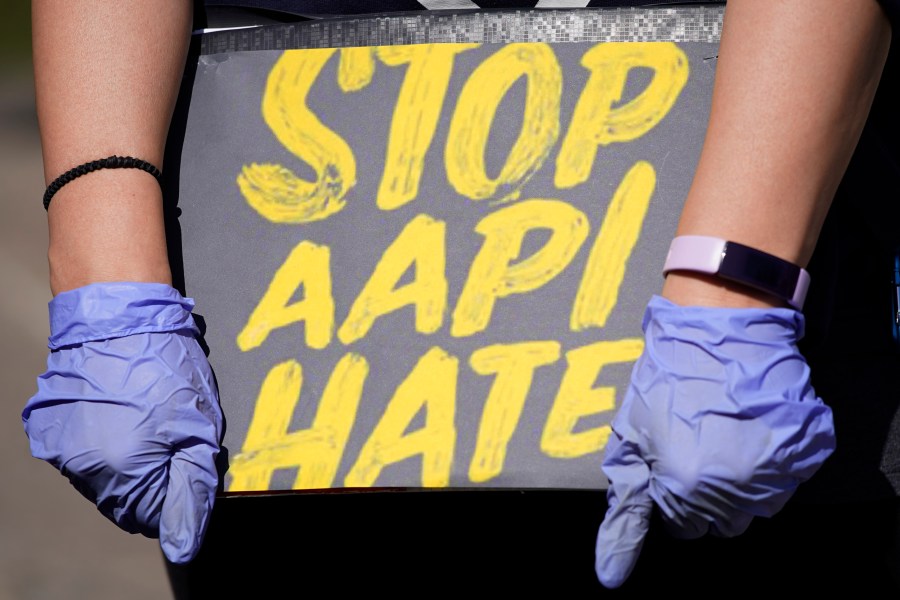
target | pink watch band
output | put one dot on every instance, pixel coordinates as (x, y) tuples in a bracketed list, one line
[(741, 264)]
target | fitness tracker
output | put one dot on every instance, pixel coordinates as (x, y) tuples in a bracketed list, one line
[(741, 264)]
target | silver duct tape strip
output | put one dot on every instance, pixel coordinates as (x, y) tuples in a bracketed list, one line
[(681, 24)]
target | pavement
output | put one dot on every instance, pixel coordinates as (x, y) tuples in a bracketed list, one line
[(54, 544)]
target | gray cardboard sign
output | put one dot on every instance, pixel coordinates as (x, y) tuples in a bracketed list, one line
[(426, 265)]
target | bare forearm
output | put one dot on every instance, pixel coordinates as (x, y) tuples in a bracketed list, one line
[(106, 78), (794, 84)]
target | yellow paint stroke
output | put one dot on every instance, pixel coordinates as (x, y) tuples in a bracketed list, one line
[(273, 190), (308, 265), (431, 385), (493, 274), (356, 68), (416, 115), (514, 366), (476, 107), (599, 290), (316, 451), (597, 121), (421, 243), (578, 398)]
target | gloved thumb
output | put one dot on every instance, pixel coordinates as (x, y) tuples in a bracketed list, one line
[(188, 504), (627, 520)]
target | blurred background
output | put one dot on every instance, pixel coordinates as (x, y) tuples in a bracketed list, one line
[(53, 543)]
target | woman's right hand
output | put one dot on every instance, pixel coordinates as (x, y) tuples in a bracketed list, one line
[(128, 410)]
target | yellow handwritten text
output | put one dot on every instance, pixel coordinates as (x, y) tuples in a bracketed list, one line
[(307, 266), (494, 275), (475, 111), (598, 122), (605, 270), (416, 116), (518, 245), (274, 191), (421, 243), (316, 452), (431, 385), (513, 365), (578, 398), (430, 388)]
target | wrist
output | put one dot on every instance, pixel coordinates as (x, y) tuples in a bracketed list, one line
[(103, 311), (107, 226), (735, 332), (697, 289), (70, 273), (730, 274)]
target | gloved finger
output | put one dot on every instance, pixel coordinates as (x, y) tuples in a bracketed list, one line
[(683, 519), (127, 486), (735, 526), (686, 529), (188, 503), (113, 465), (627, 521), (688, 522)]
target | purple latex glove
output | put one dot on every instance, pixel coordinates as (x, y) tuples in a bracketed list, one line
[(128, 410), (720, 424)]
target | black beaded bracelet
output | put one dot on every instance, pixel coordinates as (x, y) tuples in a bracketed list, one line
[(110, 162)]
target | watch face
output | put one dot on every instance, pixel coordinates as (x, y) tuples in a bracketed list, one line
[(759, 270)]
